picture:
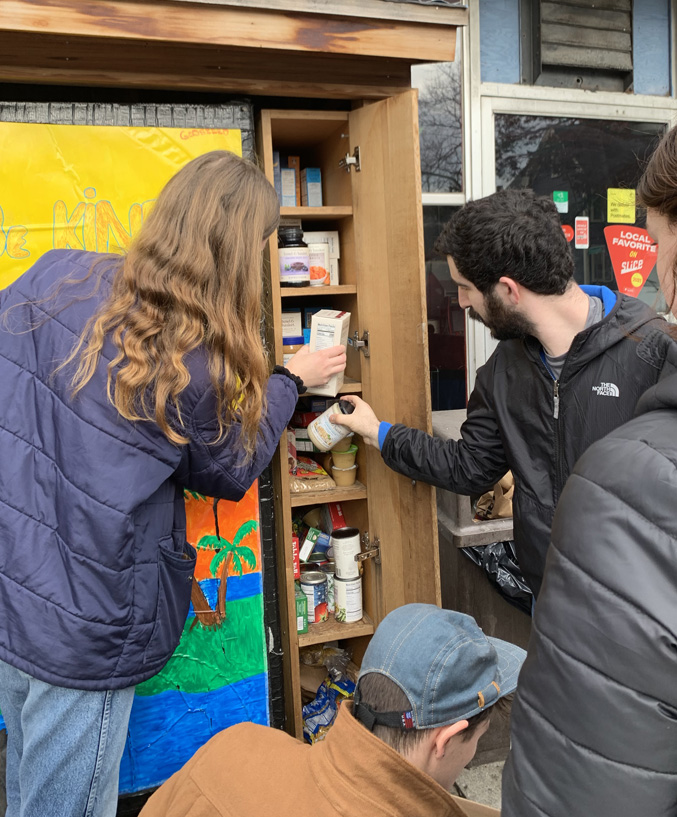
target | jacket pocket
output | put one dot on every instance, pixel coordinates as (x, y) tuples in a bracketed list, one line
[(175, 566)]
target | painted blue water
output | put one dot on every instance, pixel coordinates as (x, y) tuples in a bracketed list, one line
[(168, 728)]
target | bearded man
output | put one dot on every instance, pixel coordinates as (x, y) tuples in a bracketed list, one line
[(570, 366)]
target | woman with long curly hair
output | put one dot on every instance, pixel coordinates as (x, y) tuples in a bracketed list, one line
[(125, 380)]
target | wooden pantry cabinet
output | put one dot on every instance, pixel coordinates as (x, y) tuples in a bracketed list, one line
[(372, 195)]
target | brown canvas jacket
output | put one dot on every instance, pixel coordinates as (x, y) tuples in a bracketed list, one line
[(255, 770)]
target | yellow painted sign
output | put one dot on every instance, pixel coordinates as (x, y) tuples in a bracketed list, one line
[(86, 187), (620, 206)]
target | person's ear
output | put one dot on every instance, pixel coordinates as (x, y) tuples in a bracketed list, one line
[(512, 289), (445, 734)]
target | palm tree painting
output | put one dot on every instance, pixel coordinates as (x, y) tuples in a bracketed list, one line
[(227, 555)]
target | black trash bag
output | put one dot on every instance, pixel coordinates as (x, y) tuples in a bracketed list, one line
[(500, 564)]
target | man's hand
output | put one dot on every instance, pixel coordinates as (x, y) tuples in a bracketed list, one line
[(362, 421), (315, 368)]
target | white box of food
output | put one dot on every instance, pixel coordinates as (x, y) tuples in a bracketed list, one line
[(329, 327), (330, 237)]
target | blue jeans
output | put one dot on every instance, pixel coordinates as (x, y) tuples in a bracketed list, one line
[(64, 747)]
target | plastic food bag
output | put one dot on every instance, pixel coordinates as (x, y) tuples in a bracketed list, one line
[(309, 476), (320, 714), (500, 564)]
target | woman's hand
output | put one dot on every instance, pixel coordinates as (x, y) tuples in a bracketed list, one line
[(362, 421), (315, 368)]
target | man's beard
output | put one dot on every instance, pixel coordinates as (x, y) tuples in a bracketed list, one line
[(504, 322)]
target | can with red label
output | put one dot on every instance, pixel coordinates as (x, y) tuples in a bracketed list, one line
[(314, 585)]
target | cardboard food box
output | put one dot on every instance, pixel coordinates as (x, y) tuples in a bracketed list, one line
[(295, 556), (330, 237), (288, 187), (332, 517), (311, 187), (291, 323), (329, 327), (302, 611)]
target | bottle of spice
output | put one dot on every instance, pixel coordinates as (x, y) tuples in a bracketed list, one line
[(294, 257)]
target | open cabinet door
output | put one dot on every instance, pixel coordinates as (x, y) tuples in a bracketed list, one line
[(389, 252)]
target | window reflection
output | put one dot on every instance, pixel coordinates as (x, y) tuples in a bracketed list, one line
[(440, 125), (583, 157), (446, 319)]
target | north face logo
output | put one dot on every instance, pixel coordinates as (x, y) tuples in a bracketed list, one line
[(607, 390)]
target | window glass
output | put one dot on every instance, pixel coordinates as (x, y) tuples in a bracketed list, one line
[(446, 319), (440, 125), (578, 161)]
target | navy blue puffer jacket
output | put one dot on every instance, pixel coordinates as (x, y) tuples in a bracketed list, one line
[(95, 570)]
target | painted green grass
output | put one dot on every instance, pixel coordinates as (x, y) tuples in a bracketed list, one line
[(210, 659)]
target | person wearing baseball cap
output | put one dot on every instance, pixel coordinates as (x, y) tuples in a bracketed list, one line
[(428, 683)]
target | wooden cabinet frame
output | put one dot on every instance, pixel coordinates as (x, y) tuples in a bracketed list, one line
[(377, 211)]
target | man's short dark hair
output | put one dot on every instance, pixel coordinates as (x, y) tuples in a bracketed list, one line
[(514, 233), (384, 695)]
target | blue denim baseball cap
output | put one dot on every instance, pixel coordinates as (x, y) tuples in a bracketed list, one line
[(442, 661)]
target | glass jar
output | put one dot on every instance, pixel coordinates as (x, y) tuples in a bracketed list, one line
[(294, 257)]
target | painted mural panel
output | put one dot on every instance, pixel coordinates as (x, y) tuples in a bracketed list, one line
[(218, 674)]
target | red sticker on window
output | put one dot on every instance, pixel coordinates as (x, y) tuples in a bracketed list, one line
[(568, 231), (633, 255)]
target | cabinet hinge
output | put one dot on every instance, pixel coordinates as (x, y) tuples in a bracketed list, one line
[(351, 161), (356, 343), (370, 550)]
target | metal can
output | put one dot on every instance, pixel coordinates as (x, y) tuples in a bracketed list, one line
[(345, 545), (348, 600), (330, 569), (314, 585)]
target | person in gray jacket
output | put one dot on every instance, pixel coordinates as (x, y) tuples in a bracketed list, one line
[(571, 364), (594, 725)]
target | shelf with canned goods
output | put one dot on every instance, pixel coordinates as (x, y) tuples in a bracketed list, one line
[(332, 630), (358, 229)]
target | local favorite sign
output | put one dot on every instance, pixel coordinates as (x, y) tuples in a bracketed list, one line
[(633, 255)]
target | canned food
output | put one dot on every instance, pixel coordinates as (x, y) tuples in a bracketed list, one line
[(314, 585), (330, 569), (348, 600), (345, 545)]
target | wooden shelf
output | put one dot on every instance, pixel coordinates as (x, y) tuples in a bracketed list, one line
[(349, 387), (356, 491), (332, 630), (340, 289), (317, 213)]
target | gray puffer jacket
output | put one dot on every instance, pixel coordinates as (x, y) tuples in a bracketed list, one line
[(594, 725)]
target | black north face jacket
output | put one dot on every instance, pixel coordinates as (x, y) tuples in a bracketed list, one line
[(519, 419)]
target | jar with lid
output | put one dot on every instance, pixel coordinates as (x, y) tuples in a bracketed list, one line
[(294, 257), (323, 433)]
